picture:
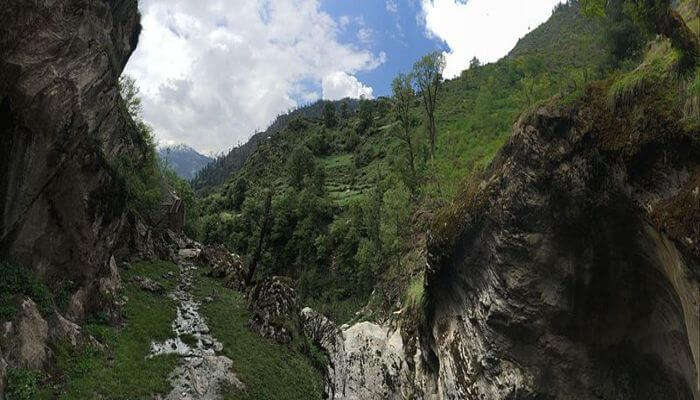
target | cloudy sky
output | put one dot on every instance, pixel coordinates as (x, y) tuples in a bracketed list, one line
[(212, 72)]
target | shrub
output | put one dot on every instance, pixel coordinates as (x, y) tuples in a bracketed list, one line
[(19, 281)]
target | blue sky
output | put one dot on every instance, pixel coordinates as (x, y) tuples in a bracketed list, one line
[(393, 28), (213, 72)]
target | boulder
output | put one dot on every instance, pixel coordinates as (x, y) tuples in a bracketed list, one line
[(64, 330), (274, 310), (366, 360), (224, 265), (24, 340), (148, 284)]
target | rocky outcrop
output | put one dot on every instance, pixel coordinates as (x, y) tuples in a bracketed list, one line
[(62, 126), (366, 360), (274, 310), (225, 266), (557, 279), (25, 339)]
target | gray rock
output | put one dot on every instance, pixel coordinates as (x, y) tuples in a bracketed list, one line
[(189, 253), (63, 330), (148, 284), (25, 339), (62, 128), (273, 308)]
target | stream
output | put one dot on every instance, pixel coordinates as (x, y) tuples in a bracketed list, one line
[(202, 370)]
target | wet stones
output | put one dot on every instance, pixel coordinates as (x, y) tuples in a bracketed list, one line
[(202, 371)]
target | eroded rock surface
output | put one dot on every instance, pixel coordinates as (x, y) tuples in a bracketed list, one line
[(274, 310), (25, 339), (61, 129), (367, 361), (555, 280)]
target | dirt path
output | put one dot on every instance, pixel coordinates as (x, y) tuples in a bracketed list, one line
[(201, 371)]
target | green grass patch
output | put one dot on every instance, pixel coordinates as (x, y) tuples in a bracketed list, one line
[(121, 370), (269, 371)]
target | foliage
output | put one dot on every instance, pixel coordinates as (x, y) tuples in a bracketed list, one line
[(402, 88), (428, 73), (22, 384), (19, 282), (129, 92), (329, 117)]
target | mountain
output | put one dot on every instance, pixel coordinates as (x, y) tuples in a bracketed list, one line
[(186, 161), (223, 167)]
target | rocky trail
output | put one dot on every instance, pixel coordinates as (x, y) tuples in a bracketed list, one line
[(202, 370)]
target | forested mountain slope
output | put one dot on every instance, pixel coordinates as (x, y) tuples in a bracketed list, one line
[(347, 209)]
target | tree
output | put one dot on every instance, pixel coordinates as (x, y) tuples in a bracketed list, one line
[(130, 95), (299, 164), (395, 217), (428, 74), (366, 115), (657, 16), (402, 88), (262, 238), (344, 111), (329, 117), (474, 63)]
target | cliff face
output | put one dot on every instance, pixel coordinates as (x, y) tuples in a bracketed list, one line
[(571, 270), (61, 127)]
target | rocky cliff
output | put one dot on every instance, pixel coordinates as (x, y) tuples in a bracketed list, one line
[(569, 270), (62, 125)]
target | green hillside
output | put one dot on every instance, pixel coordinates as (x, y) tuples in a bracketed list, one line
[(343, 214)]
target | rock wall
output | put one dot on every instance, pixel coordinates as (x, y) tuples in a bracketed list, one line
[(557, 279), (61, 127)]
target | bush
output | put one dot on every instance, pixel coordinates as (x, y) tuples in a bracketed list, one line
[(21, 282)]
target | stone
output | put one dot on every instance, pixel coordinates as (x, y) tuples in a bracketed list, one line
[(189, 253), (110, 284), (63, 330), (25, 339), (147, 284), (274, 311), (556, 280), (367, 361), (225, 266)]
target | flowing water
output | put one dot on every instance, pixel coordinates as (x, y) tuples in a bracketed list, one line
[(202, 370)]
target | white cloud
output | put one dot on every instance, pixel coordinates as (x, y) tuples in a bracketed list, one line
[(339, 85), (212, 72), (486, 29), (392, 6), (364, 35)]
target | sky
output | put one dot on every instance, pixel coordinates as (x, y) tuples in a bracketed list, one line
[(213, 72)]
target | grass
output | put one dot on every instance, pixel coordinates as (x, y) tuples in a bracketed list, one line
[(121, 370), (269, 371)]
